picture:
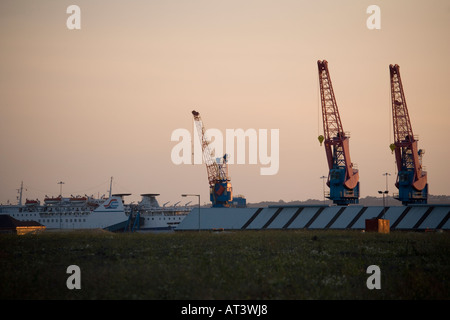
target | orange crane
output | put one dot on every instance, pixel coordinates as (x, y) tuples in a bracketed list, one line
[(221, 192)]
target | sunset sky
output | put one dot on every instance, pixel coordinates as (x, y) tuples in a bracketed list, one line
[(80, 106)]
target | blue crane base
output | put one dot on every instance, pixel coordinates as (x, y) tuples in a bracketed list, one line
[(408, 195), (339, 194), (220, 194)]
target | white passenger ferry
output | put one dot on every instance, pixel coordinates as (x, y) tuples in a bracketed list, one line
[(71, 213), (84, 212)]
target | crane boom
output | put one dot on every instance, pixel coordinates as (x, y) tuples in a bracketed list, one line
[(221, 193), (411, 179), (211, 165), (343, 179)]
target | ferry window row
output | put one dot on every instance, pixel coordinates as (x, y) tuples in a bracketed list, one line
[(179, 218), (34, 214), (56, 210), (62, 220)]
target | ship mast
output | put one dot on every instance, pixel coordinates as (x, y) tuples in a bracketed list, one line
[(19, 191), (110, 187)]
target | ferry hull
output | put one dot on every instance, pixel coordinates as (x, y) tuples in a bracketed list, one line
[(92, 220)]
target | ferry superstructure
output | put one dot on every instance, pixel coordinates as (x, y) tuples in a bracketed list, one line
[(151, 216), (85, 212)]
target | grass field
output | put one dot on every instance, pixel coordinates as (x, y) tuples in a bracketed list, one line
[(225, 265)]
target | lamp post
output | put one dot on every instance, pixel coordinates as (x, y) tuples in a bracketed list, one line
[(60, 187), (386, 174), (323, 187), (384, 206), (195, 195)]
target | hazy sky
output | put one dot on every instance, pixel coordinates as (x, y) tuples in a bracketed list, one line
[(80, 106)]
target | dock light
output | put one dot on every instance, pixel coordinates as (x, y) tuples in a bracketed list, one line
[(384, 206), (195, 195)]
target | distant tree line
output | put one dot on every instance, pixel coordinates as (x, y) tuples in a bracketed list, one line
[(367, 201)]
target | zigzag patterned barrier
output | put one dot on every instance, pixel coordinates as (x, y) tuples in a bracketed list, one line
[(414, 217)]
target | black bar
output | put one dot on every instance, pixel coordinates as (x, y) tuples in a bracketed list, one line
[(335, 217), (395, 224), (253, 217), (444, 220), (356, 218), (422, 219), (272, 218), (293, 217), (315, 217), (383, 212)]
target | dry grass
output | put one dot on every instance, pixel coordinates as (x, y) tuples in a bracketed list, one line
[(227, 265)]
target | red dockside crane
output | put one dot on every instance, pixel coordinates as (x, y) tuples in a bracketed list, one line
[(411, 178), (343, 178)]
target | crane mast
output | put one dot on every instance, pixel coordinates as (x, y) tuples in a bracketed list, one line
[(221, 192), (343, 178), (411, 178)]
